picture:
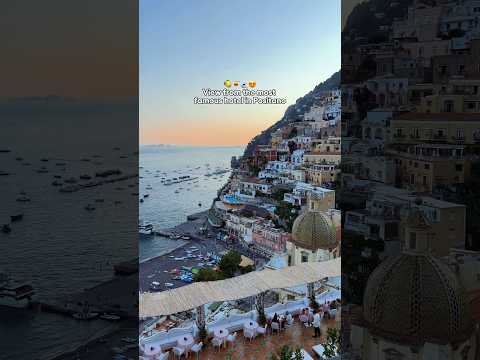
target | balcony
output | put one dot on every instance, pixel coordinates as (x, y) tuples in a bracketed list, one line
[(438, 137)]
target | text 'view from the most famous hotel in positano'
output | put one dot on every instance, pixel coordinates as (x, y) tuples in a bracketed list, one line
[(239, 162), (410, 180)]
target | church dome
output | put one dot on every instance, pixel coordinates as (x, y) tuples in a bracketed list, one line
[(416, 298), (314, 230)]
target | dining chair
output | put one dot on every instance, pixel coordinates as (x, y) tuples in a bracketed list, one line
[(275, 327), (262, 329), (178, 352), (231, 338), (217, 343), (196, 348)]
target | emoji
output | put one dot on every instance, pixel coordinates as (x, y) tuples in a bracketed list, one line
[(244, 85), (235, 83), (227, 83), (252, 83)]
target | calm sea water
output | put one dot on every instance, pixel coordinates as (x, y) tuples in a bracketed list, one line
[(167, 206), (59, 247)]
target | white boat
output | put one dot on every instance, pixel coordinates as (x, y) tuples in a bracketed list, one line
[(110, 317), (14, 293), (85, 316), (23, 198)]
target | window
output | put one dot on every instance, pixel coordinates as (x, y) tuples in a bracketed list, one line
[(304, 257), (412, 179), (412, 242), (460, 134), (426, 166), (448, 106), (458, 167), (424, 180)]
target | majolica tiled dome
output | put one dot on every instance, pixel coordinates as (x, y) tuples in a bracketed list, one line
[(414, 298), (314, 230)]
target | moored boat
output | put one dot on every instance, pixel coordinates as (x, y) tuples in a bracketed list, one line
[(16, 217), (14, 293)]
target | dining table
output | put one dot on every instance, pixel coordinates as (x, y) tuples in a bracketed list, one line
[(185, 342), (152, 349), (250, 325), (221, 333)]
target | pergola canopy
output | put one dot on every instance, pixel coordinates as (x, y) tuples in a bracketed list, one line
[(191, 296)]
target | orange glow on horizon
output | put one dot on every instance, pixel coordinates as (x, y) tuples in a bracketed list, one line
[(210, 129)]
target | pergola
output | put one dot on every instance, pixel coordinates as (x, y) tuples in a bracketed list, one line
[(255, 283)]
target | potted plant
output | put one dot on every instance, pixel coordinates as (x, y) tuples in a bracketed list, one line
[(332, 343)]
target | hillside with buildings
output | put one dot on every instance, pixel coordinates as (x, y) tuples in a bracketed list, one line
[(294, 112), (409, 180)]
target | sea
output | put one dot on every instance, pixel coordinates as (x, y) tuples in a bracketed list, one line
[(95, 240), (59, 247), (169, 205)]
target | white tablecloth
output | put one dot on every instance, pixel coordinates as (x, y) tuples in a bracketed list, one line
[(250, 325)]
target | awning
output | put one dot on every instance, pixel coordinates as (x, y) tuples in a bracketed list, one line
[(191, 296)]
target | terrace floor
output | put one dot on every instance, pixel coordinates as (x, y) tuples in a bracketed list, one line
[(263, 346)]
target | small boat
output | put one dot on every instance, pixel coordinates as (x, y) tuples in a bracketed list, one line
[(19, 158), (57, 183), (23, 198), (57, 176), (4, 173), (141, 200), (167, 284), (44, 159), (16, 217), (42, 170), (155, 285), (14, 293), (71, 180), (146, 195), (6, 229), (110, 317), (85, 316), (199, 204), (185, 237), (89, 207), (5, 150), (85, 177), (176, 191)]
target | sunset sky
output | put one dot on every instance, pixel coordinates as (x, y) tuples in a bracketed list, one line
[(189, 45)]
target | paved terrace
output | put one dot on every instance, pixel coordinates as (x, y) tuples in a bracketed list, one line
[(263, 346)]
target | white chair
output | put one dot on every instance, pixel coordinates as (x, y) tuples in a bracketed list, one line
[(249, 334), (196, 348), (262, 329), (231, 338), (163, 356), (275, 327), (333, 313), (178, 352), (217, 343)]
